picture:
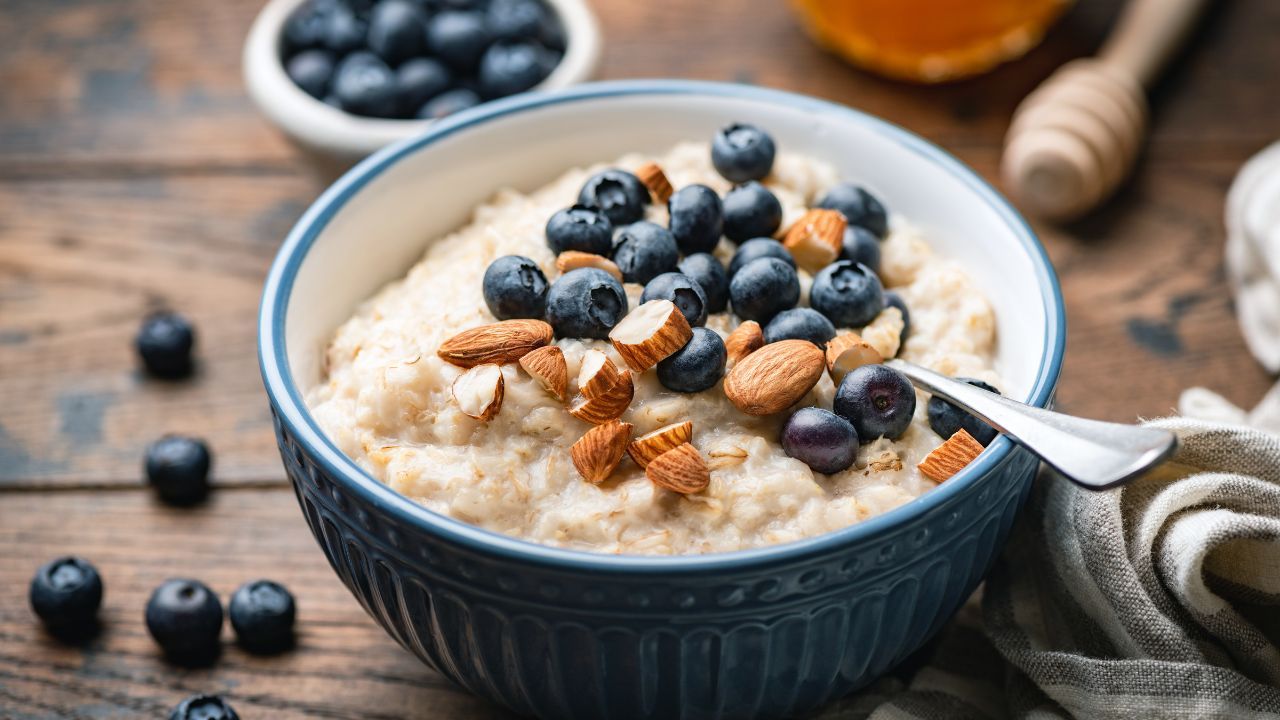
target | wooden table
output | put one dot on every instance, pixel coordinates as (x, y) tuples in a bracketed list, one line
[(134, 174)]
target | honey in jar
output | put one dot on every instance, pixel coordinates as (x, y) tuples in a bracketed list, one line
[(929, 40)]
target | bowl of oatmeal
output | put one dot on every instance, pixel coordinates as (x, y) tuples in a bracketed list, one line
[(573, 474)]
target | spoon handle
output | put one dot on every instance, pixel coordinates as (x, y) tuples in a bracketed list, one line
[(1093, 454)]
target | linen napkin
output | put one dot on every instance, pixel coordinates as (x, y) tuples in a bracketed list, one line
[(1160, 599)]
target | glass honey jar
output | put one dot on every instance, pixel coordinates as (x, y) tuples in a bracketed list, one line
[(929, 41)]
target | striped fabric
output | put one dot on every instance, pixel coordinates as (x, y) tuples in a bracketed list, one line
[(1157, 600)]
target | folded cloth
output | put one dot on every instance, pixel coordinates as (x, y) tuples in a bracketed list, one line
[(1160, 599)]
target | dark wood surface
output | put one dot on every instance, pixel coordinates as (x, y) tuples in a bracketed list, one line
[(135, 174)]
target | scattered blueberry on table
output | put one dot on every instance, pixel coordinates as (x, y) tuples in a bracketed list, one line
[(878, 400), (819, 438), (410, 59), (262, 613), (65, 594), (947, 419), (697, 366), (514, 287), (204, 707), (165, 342), (177, 468), (185, 619)]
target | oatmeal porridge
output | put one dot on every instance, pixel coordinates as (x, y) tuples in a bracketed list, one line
[(526, 445)]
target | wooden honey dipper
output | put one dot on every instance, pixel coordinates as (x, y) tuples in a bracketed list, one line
[(1076, 136)]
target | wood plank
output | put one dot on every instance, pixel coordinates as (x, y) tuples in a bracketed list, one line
[(344, 667), (81, 263)]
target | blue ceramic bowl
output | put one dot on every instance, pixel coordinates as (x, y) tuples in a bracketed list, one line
[(768, 632)]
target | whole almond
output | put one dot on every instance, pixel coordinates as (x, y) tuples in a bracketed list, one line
[(650, 333), (597, 453), (500, 342), (680, 470), (650, 445), (653, 178), (775, 377), (744, 340), (607, 406), (547, 366), (478, 392), (950, 457), (847, 352), (574, 259), (815, 240)]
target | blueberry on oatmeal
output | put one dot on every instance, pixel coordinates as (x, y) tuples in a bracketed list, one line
[(819, 438), (645, 250), (849, 294), (763, 288), (801, 324), (580, 228), (697, 366), (751, 210), (893, 298), (585, 303), (696, 218), (858, 206), (742, 152), (878, 400), (514, 287), (709, 273), (617, 193), (860, 246), (946, 419), (682, 290), (757, 248)]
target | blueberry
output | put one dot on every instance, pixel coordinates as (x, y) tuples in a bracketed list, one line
[(849, 294), (682, 290), (585, 303), (878, 400), (757, 248), (262, 614), (696, 366), (306, 26), (311, 70), (580, 228), (185, 619), (366, 86), (742, 152), (947, 419), (645, 250), (616, 193), (763, 288), (697, 218), (514, 287), (858, 206), (509, 67), (344, 31), (893, 299), (66, 594), (448, 103), (800, 324), (397, 30), (861, 246), (204, 707), (709, 273), (418, 80), (458, 38), (164, 342), (178, 469), (819, 438), (516, 19), (750, 210)]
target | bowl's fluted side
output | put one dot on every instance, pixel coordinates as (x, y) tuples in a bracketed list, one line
[(765, 640)]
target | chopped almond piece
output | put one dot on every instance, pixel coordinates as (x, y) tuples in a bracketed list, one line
[(950, 457), (597, 453), (653, 178), (744, 340), (547, 366), (650, 445), (479, 391), (847, 352), (574, 259), (815, 239), (650, 333), (607, 406), (680, 470)]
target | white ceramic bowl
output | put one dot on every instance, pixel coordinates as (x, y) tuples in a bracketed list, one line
[(346, 137)]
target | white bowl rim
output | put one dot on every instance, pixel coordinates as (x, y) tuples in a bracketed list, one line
[(293, 413), (322, 127)]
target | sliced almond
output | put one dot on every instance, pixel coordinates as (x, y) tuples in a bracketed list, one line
[(598, 374), (744, 340), (547, 366), (815, 239), (847, 352), (574, 259), (478, 391), (774, 377), (607, 406), (680, 470), (653, 178), (597, 453), (884, 460), (650, 333), (950, 457), (500, 342), (650, 445)]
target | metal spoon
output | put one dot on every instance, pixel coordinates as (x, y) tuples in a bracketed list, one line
[(1093, 454)]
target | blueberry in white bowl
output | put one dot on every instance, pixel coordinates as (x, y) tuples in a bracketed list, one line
[(585, 303), (751, 210), (618, 194), (697, 218), (515, 287), (397, 30), (448, 103), (819, 438), (742, 152), (763, 288), (757, 248), (580, 228), (684, 291), (645, 250), (878, 400), (858, 206), (861, 246), (849, 294), (709, 273), (947, 419), (697, 366), (800, 324)]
